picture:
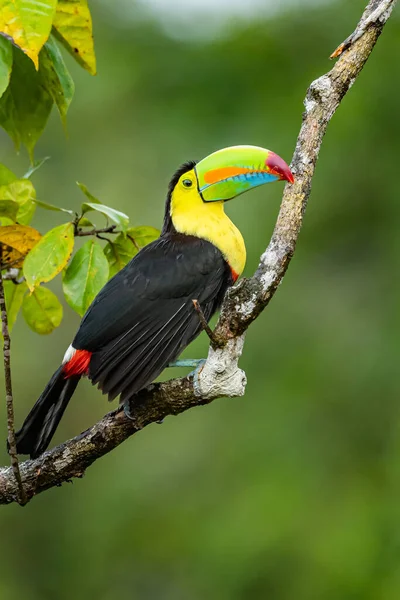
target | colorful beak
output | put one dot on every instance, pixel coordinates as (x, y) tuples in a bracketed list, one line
[(227, 173)]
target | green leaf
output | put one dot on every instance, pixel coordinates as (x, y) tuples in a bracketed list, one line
[(84, 222), (35, 166), (42, 311), (49, 256), (72, 26), (119, 252), (84, 189), (26, 104), (85, 276), (5, 221), (143, 235), (25, 212), (59, 82), (23, 193), (14, 294), (120, 218), (27, 23), (48, 206), (5, 64), (6, 176), (9, 209)]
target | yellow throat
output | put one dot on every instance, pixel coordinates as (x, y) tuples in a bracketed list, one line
[(208, 221)]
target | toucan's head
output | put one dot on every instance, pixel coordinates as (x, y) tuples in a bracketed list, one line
[(197, 189), (227, 173)]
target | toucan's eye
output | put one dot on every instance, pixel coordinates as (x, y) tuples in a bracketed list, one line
[(187, 183)]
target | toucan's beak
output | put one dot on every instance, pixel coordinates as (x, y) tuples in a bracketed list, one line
[(229, 172)]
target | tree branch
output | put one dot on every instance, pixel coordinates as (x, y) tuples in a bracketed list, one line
[(243, 303), (378, 10), (81, 233), (21, 496)]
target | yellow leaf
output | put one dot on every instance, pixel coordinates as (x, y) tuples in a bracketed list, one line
[(73, 27), (28, 24), (49, 256), (16, 241)]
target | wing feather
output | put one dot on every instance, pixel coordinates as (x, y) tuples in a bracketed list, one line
[(130, 358), (144, 317)]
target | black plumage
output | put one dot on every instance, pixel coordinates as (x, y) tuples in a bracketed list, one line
[(43, 419), (156, 319)]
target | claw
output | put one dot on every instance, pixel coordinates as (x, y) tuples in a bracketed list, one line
[(198, 363), (196, 373), (127, 410)]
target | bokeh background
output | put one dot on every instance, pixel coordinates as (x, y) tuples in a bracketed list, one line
[(292, 492)]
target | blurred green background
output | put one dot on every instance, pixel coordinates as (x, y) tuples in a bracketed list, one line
[(291, 492)]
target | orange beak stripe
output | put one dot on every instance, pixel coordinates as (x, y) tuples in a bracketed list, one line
[(216, 175)]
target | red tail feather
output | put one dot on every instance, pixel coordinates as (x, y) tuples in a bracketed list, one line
[(78, 364)]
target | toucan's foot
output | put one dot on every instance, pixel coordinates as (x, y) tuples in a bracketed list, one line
[(196, 373), (188, 362), (198, 363), (127, 409)]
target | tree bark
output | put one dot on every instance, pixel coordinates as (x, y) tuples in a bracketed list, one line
[(243, 303)]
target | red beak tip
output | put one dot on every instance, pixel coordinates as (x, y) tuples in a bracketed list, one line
[(277, 166), (290, 177)]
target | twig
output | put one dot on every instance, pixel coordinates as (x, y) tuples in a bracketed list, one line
[(9, 395), (134, 242), (244, 302), (214, 341), (110, 229)]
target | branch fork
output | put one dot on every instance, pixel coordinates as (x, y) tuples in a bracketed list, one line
[(221, 376)]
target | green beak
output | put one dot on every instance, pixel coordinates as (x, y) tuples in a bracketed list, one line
[(232, 171)]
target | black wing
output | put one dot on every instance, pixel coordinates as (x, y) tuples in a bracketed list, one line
[(144, 317)]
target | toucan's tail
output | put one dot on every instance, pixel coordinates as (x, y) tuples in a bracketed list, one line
[(39, 426)]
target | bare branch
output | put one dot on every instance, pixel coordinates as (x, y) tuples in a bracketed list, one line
[(376, 11), (215, 343), (243, 303), (21, 496), (72, 458), (82, 233)]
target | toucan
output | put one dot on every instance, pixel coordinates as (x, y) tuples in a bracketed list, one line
[(144, 317)]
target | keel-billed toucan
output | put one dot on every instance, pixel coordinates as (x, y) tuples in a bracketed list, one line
[(144, 316)]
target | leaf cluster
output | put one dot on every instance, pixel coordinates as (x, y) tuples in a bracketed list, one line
[(33, 74), (33, 77)]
